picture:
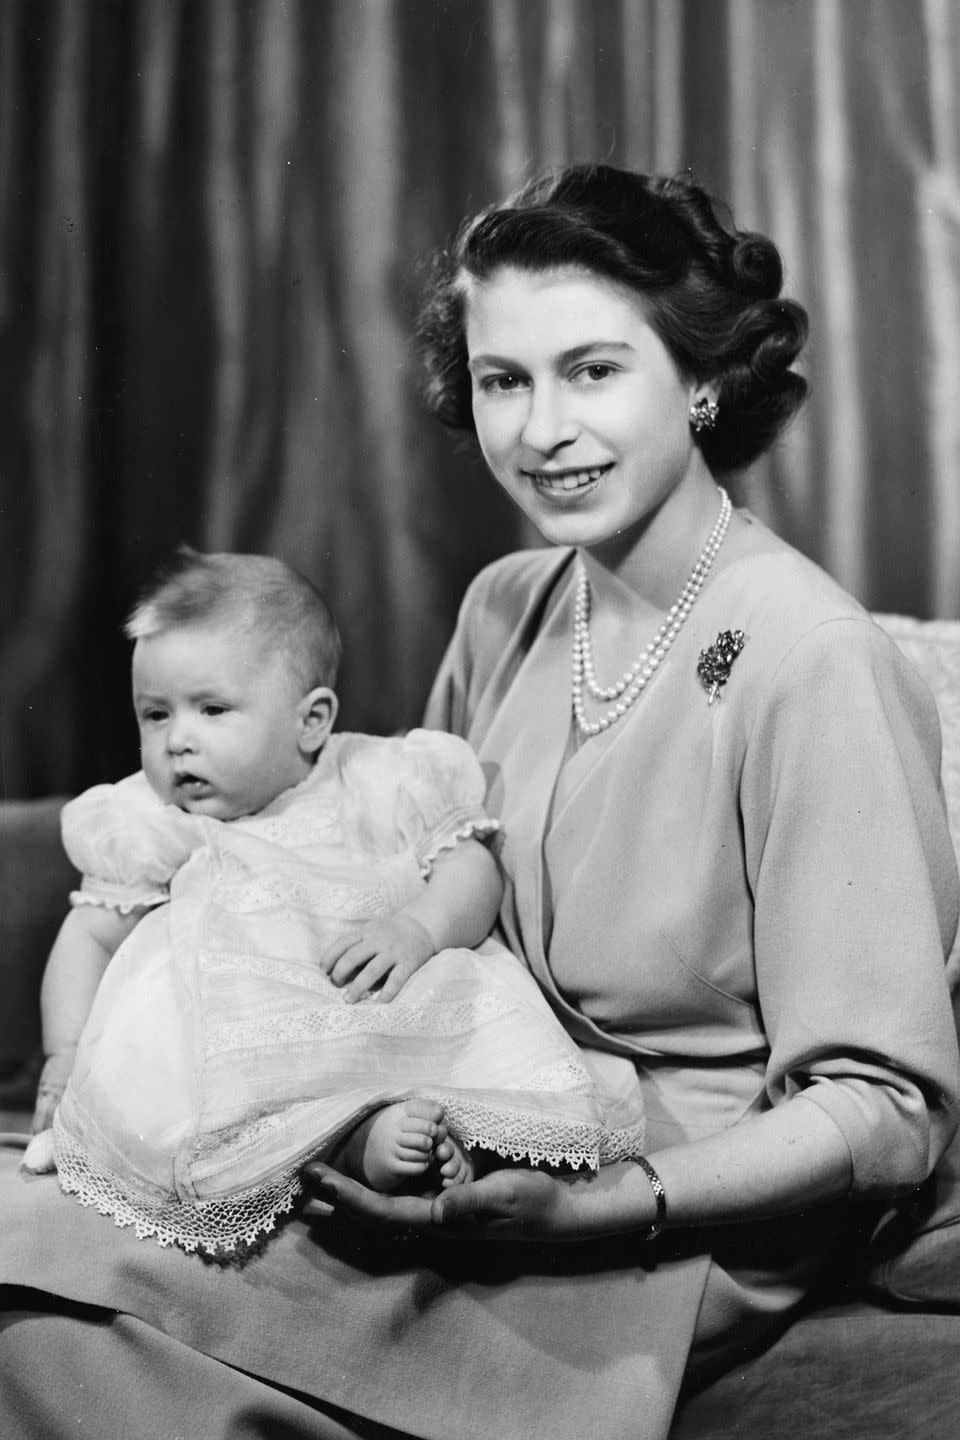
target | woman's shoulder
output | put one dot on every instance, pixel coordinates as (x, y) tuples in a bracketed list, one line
[(774, 578), (510, 594), (519, 577), (777, 596), (801, 628)]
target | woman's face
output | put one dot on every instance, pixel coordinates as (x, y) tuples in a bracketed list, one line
[(580, 411)]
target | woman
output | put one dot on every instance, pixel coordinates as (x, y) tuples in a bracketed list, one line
[(729, 867)]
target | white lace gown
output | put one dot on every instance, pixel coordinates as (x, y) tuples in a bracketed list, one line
[(218, 1058)]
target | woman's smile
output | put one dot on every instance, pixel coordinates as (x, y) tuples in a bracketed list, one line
[(568, 484)]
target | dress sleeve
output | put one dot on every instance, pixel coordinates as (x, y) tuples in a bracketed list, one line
[(447, 705), (854, 882), (126, 844), (503, 611), (439, 796)]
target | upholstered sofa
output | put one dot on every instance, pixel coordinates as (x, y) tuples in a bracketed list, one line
[(874, 1356)]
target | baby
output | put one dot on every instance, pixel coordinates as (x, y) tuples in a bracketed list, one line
[(241, 894)]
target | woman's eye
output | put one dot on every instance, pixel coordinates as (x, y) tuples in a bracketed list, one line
[(501, 384), (213, 710), (152, 717), (596, 372)]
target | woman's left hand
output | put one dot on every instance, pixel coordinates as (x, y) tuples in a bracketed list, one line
[(510, 1203), (519, 1205)]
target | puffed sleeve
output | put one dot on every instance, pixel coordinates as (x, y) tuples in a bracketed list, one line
[(126, 844), (440, 796), (854, 881), (421, 793)]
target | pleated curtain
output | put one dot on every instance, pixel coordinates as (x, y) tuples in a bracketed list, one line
[(216, 217)]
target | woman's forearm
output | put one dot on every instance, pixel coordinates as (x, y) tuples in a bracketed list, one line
[(789, 1159)]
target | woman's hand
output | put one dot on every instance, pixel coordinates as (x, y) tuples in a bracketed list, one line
[(520, 1205), (510, 1203), (353, 1198)]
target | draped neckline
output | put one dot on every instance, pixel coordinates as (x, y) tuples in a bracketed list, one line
[(539, 757)]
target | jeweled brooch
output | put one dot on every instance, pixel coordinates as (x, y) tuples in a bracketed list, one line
[(716, 661)]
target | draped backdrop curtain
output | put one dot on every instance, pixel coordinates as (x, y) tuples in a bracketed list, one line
[(215, 219)]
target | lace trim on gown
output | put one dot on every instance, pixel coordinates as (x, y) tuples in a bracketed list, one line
[(221, 1226), (473, 829), (226, 1225), (122, 902), (457, 1017), (557, 1143)]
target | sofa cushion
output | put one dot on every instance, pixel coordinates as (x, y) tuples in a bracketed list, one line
[(35, 879), (852, 1372), (933, 647), (915, 1253)]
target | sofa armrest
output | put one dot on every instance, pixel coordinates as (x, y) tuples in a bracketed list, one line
[(35, 878)]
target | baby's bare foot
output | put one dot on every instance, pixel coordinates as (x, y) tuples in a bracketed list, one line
[(453, 1162), (396, 1143)]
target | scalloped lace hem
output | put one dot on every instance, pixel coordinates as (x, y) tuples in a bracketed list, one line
[(557, 1143), (472, 830), (233, 1224), (222, 1227), (80, 898)]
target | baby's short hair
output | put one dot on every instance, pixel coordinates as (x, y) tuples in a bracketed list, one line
[(256, 592)]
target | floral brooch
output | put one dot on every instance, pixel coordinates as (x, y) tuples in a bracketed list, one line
[(716, 661)]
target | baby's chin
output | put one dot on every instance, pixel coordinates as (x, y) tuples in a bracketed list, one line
[(197, 799), (212, 807)]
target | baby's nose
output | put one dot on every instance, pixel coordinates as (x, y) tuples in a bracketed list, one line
[(178, 736)]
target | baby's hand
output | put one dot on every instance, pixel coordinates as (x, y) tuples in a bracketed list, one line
[(390, 950), (39, 1157), (53, 1082)]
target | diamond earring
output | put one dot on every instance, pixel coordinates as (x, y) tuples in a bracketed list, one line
[(703, 414)]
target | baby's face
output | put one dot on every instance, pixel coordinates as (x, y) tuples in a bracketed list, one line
[(218, 717)]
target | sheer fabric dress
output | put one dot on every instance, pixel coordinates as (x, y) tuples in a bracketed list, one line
[(219, 1057)]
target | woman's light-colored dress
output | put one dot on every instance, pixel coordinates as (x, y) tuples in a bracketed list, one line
[(751, 900), (219, 1057)]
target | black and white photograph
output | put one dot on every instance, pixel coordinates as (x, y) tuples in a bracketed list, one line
[(479, 719)]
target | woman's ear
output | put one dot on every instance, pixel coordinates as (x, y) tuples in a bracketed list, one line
[(315, 716)]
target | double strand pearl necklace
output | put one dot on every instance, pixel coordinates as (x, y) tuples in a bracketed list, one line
[(637, 676)]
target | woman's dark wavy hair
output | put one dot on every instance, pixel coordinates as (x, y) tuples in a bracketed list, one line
[(711, 293)]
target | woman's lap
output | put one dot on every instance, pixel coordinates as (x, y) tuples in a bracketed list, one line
[(68, 1370), (517, 1344)]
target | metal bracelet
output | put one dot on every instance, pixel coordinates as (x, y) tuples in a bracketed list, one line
[(660, 1195)]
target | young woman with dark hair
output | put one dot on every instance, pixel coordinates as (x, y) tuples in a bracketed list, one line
[(710, 293), (726, 863)]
